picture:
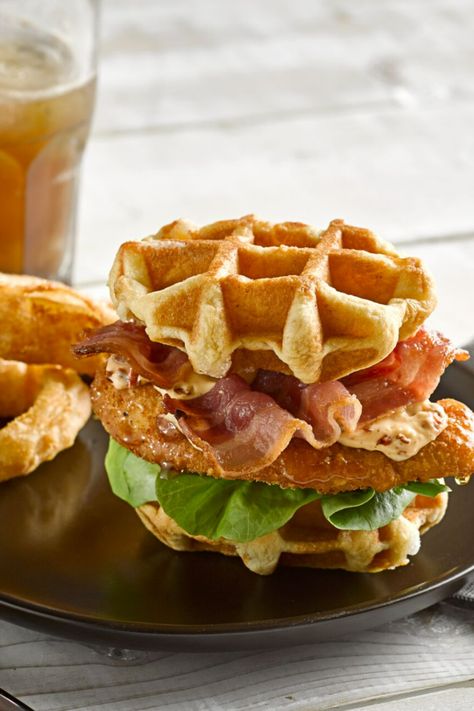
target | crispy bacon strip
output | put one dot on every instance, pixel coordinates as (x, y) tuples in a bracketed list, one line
[(409, 374), (328, 407), (159, 363), (247, 429)]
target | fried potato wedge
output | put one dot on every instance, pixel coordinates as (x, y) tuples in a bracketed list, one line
[(42, 319), (48, 404)]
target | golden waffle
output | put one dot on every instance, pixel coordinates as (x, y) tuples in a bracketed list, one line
[(317, 304), (308, 540)]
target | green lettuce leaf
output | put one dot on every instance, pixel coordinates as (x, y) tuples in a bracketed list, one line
[(241, 510), (236, 510), (216, 508), (365, 510), (131, 478), (427, 488)]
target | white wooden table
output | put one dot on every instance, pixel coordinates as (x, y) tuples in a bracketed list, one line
[(293, 109)]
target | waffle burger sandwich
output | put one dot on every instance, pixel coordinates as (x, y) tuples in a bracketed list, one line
[(266, 391)]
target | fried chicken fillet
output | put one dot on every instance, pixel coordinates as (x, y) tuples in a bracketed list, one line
[(132, 417)]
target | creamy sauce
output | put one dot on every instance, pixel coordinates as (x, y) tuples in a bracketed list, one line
[(401, 433), (118, 372), (189, 385), (168, 425)]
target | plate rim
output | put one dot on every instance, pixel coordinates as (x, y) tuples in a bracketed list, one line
[(225, 629)]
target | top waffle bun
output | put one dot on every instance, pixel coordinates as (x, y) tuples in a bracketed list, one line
[(285, 297)]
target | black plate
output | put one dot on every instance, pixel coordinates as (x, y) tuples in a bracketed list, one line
[(76, 561)]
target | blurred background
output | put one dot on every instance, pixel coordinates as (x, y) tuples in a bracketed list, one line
[(295, 110)]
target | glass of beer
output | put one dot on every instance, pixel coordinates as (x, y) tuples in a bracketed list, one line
[(47, 86)]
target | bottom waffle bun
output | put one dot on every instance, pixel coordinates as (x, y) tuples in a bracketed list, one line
[(308, 540)]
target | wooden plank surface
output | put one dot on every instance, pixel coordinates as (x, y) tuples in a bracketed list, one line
[(392, 173), (169, 64), (456, 697), (301, 110), (428, 650)]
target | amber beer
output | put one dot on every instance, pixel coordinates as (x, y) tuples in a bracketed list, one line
[(45, 112)]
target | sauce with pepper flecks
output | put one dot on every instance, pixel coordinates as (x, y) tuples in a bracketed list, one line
[(400, 434)]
